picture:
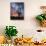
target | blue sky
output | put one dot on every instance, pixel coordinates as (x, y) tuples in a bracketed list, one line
[(18, 7)]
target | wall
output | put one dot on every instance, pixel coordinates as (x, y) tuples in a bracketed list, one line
[(28, 26)]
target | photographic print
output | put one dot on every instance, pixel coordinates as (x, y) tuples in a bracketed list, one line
[(17, 10)]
